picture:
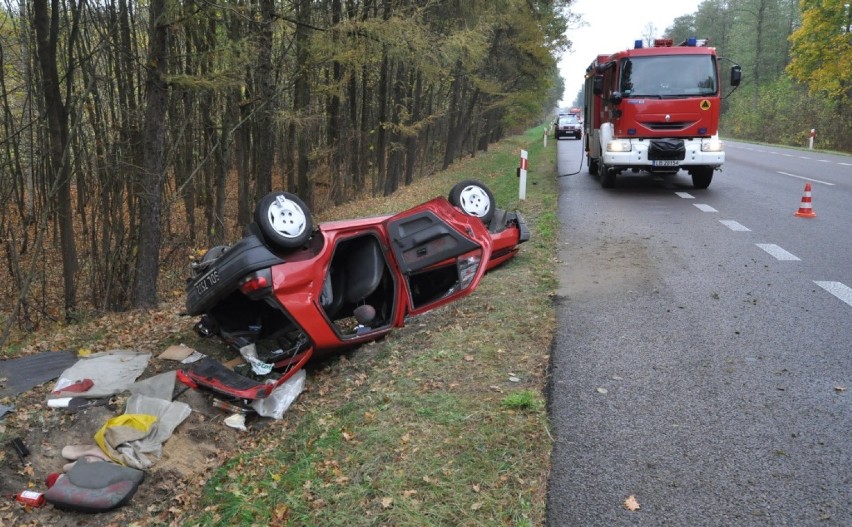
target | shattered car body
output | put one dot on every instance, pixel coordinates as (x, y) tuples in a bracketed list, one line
[(287, 293)]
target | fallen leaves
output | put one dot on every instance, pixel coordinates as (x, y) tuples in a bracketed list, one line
[(631, 503)]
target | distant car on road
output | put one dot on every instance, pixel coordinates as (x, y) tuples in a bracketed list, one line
[(568, 125)]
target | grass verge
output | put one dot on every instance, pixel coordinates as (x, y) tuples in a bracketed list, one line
[(442, 422)]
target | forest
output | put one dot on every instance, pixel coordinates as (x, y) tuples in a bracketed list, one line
[(136, 133)]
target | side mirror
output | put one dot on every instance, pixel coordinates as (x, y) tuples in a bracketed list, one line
[(616, 97), (736, 75), (597, 84)]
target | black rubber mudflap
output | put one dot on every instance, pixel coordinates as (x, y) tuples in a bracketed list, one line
[(212, 374)]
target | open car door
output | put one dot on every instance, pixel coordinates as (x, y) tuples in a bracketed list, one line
[(440, 251)]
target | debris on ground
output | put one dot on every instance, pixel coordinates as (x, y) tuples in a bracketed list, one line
[(116, 434)]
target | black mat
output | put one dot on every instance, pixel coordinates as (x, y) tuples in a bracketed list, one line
[(19, 375)]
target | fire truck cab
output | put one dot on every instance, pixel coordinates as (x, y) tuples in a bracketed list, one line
[(655, 109)]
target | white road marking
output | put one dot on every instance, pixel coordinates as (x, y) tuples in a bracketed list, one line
[(705, 208), (837, 289), (845, 164), (806, 178), (734, 225), (778, 252), (685, 195)]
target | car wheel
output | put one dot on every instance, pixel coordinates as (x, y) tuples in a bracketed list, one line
[(474, 199), (702, 176), (284, 220)]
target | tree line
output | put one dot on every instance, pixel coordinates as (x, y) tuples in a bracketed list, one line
[(796, 57), (135, 130)]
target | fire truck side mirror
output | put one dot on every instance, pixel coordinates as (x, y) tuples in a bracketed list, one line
[(597, 84), (736, 75), (616, 97)]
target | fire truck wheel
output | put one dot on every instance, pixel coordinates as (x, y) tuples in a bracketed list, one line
[(702, 176), (593, 165), (607, 176)]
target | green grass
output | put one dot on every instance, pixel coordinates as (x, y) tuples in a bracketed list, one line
[(524, 400), (442, 422)]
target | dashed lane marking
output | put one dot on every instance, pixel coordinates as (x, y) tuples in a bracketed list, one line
[(734, 225), (837, 289), (685, 195), (705, 208), (778, 252), (806, 178)]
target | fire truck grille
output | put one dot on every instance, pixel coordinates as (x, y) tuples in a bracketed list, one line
[(683, 125)]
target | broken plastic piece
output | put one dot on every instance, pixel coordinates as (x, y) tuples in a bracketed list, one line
[(237, 421), (81, 386), (276, 403), (259, 367), (30, 498), (225, 405), (62, 402), (20, 448)]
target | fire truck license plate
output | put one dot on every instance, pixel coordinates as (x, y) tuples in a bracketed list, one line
[(666, 163)]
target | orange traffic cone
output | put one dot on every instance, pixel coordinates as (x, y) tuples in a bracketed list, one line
[(805, 210)]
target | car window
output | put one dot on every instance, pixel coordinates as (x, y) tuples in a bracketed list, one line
[(568, 119)]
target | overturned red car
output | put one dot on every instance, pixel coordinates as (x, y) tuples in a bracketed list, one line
[(288, 292)]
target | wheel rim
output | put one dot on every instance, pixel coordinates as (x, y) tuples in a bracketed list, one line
[(286, 217), (474, 201)]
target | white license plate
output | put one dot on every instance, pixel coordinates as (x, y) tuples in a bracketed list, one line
[(666, 163)]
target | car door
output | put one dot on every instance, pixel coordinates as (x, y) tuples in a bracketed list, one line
[(439, 251)]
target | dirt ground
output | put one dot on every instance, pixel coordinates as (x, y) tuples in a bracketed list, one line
[(170, 488)]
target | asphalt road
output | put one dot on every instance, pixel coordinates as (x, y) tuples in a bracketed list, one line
[(703, 362)]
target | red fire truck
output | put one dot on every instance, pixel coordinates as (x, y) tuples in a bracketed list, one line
[(655, 109)]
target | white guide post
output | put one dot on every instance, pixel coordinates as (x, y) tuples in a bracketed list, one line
[(522, 173)]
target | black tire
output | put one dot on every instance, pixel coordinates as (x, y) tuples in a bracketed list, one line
[(607, 176), (284, 220), (474, 199), (594, 165), (702, 176)]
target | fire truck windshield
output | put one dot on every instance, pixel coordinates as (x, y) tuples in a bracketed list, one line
[(667, 76)]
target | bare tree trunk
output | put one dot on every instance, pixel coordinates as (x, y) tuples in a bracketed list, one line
[(47, 35), (381, 136), (395, 157), (264, 139), (302, 101), (339, 180), (453, 118), (412, 141), (150, 190)]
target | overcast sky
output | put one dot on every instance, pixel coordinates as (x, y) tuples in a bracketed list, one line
[(610, 26)]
